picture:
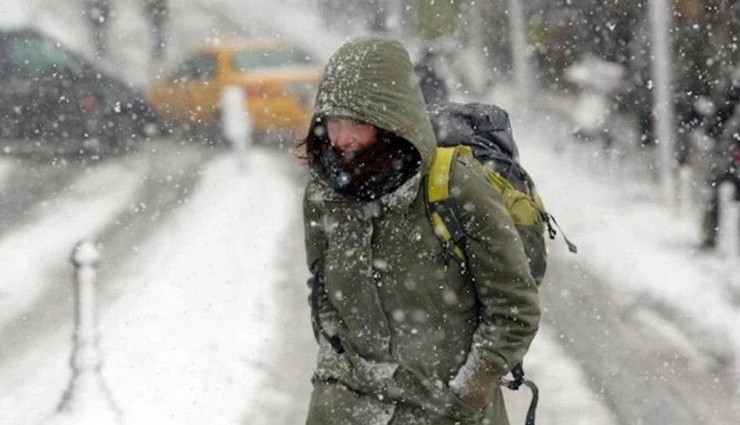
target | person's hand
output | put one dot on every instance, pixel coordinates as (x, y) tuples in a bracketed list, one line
[(476, 400), (473, 387)]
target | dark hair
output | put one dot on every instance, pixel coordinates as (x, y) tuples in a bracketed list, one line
[(299, 150), (302, 147)]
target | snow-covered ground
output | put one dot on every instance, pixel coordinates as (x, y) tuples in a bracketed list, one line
[(649, 251), (645, 251), (194, 333), (210, 282), (95, 195), (187, 341)]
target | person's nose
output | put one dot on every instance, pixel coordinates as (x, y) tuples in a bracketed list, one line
[(344, 138)]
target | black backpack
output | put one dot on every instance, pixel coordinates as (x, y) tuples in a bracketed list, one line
[(484, 132)]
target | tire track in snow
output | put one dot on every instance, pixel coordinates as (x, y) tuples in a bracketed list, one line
[(171, 178), (31, 188)]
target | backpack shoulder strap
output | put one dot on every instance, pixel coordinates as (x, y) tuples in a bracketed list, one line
[(441, 212), (438, 184)]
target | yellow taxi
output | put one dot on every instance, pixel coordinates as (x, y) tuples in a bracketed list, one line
[(278, 77)]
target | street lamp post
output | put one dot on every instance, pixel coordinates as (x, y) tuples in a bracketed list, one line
[(520, 53), (660, 21)]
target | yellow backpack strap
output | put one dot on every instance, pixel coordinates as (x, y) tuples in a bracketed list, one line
[(439, 174), (446, 226)]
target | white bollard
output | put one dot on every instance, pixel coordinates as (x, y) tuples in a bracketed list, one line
[(728, 236), (86, 400), (236, 122)]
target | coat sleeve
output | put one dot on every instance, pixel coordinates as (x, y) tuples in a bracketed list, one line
[(507, 293), (324, 318)]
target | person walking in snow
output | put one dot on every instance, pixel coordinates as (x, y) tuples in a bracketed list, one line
[(404, 336), (433, 87), (724, 128)]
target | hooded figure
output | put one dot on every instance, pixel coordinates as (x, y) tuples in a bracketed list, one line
[(725, 165), (404, 336), (433, 87)]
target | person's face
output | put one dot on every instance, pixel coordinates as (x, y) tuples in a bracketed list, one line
[(350, 136)]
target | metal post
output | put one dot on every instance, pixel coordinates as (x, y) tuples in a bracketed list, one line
[(520, 53), (728, 233), (660, 20), (87, 399)]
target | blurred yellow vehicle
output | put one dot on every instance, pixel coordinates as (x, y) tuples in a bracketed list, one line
[(279, 80)]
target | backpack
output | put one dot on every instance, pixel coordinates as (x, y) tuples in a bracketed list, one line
[(484, 132)]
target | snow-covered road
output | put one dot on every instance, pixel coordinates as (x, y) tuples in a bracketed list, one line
[(649, 317), (203, 307), (190, 312)]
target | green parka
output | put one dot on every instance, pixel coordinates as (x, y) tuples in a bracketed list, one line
[(421, 343)]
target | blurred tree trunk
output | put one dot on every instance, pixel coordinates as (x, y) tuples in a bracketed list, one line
[(378, 15)]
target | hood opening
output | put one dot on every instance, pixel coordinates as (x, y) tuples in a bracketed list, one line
[(372, 79), (369, 174)]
